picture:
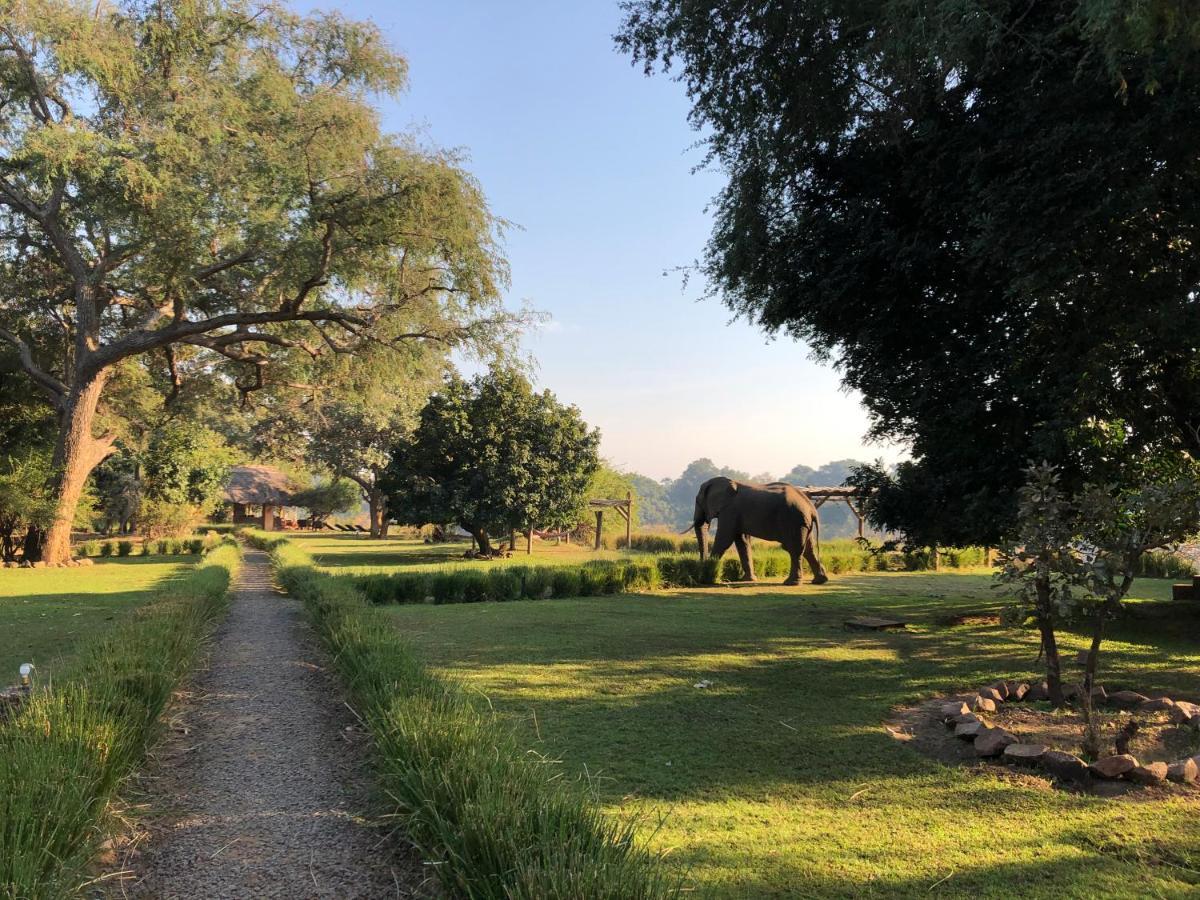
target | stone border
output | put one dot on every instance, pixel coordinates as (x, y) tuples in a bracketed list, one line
[(997, 743)]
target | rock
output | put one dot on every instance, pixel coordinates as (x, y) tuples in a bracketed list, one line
[(1018, 692), (992, 741), (1156, 704), (1185, 713), (1114, 766), (1025, 754), (968, 730), (1038, 692), (984, 704), (1001, 688), (1127, 699), (37, 564), (964, 719), (950, 710), (1149, 774), (86, 561), (1183, 772), (990, 693), (1065, 767)]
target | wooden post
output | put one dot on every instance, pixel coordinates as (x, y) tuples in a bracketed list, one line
[(529, 542), (937, 562), (599, 526), (268, 517), (987, 556), (628, 520)]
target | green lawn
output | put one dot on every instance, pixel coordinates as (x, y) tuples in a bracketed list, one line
[(44, 613), (779, 779), (359, 555)]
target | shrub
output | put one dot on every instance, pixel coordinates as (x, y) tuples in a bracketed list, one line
[(494, 821), (124, 548), (90, 548), (1161, 564), (107, 548), (566, 583), (161, 547), (64, 754), (195, 546)]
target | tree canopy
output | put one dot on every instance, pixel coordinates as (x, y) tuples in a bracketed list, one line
[(906, 195), (209, 181), (493, 455)]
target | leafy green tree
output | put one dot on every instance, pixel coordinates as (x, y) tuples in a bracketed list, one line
[(653, 507), (343, 414), (25, 504), (328, 498), (200, 181), (906, 194), (494, 456)]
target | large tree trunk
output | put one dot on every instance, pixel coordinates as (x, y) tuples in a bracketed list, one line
[(76, 454), (481, 538), (377, 503)]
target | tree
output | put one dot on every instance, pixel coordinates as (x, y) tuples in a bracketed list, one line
[(652, 504), (494, 456), (1078, 555), (343, 414), (906, 195), (326, 499), (179, 177)]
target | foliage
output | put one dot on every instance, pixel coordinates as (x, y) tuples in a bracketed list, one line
[(495, 822), (905, 195), (493, 455), (207, 184), (24, 498), (1074, 555), (608, 484), (327, 498), (653, 506), (69, 748)]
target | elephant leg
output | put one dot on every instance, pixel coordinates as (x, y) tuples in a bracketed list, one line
[(794, 573), (742, 542), (725, 537), (814, 561)]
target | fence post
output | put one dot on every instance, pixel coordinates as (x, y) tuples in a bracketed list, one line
[(529, 542), (628, 520), (599, 526)]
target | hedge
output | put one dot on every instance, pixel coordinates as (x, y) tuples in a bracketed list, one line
[(69, 747)]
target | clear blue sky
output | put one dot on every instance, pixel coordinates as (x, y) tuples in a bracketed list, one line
[(593, 161)]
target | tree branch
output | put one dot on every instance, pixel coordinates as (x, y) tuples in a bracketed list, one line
[(47, 382)]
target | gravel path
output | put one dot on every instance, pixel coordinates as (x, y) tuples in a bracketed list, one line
[(260, 788)]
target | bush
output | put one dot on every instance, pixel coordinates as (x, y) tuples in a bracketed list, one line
[(64, 754), (195, 546), (107, 548), (90, 548), (493, 820), (1161, 564), (124, 548)]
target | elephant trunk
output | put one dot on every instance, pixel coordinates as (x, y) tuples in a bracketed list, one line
[(700, 528)]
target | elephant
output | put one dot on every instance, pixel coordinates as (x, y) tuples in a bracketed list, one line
[(773, 512)]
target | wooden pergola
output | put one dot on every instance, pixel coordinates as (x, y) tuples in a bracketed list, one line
[(854, 498), (624, 508)]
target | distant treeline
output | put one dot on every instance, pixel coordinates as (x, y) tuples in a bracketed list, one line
[(669, 502)]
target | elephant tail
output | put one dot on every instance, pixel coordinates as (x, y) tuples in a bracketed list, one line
[(817, 531)]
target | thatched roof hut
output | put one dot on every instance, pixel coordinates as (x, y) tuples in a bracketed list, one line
[(259, 486)]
